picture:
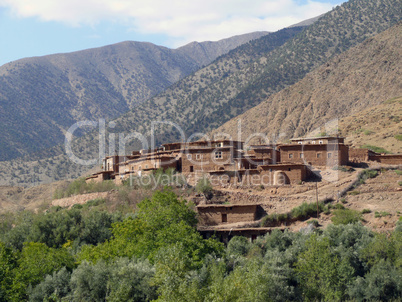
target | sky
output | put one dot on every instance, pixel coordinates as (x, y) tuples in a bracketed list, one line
[(40, 27)]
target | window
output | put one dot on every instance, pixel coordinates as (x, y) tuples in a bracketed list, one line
[(198, 156), (189, 156), (139, 168), (218, 154), (329, 155), (300, 143), (301, 155), (289, 169), (320, 142), (313, 142), (224, 218), (290, 155), (318, 155), (191, 168), (146, 166)]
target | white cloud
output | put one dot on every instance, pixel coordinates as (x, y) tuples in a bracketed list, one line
[(181, 20)]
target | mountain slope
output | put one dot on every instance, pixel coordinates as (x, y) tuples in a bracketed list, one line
[(249, 74), (42, 97), (229, 86), (360, 78)]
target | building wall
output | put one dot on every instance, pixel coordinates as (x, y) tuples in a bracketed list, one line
[(390, 159), (207, 159), (316, 155), (358, 155), (214, 215)]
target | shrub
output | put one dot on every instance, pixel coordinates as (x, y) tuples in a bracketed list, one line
[(306, 210), (398, 137), (314, 222), (375, 149), (366, 211), (345, 216), (204, 186)]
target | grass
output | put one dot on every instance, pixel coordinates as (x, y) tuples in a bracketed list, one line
[(80, 186), (398, 137), (366, 211), (345, 216), (381, 214), (375, 149), (302, 212)]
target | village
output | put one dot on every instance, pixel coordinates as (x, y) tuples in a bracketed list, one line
[(230, 165)]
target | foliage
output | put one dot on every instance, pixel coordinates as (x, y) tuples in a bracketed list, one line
[(161, 221), (204, 186), (36, 261), (322, 274), (375, 149), (345, 216), (80, 186)]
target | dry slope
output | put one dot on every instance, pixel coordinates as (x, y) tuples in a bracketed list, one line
[(362, 77)]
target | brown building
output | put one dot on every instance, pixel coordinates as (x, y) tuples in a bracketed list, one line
[(216, 214), (365, 155), (325, 151)]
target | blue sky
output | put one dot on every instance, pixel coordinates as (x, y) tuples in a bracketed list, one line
[(40, 27)]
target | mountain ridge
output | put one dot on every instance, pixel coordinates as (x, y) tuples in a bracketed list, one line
[(41, 97)]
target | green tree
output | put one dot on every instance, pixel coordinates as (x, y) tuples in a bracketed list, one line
[(322, 274), (35, 262)]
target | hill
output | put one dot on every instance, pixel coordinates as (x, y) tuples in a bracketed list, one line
[(351, 83), (41, 97), (226, 88)]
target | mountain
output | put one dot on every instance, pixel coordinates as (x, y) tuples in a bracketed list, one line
[(249, 74), (351, 83), (229, 86), (41, 97)]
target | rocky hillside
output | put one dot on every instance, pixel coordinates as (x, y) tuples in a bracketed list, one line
[(42, 97), (232, 84), (351, 83)]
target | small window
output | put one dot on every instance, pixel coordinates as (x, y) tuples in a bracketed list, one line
[(139, 168), (301, 155), (318, 155), (191, 168), (313, 142), (290, 155), (329, 155), (289, 169), (146, 166), (198, 156), (189, 156), (224, 218), (218, 154), (132, 168), (320, 142), (300, 143)]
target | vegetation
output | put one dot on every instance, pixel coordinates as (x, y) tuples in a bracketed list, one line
[(80, 186), (156, 253), (345, 216), (375, 149)]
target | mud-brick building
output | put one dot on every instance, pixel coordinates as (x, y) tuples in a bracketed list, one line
[(204, 156), (323, 151), (215, 214), (362, 155)]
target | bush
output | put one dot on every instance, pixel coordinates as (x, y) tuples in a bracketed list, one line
[(238, 246), (204, 186), (398, 137), (306, 210), (345, 216), (375, 149), (366, 211)]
